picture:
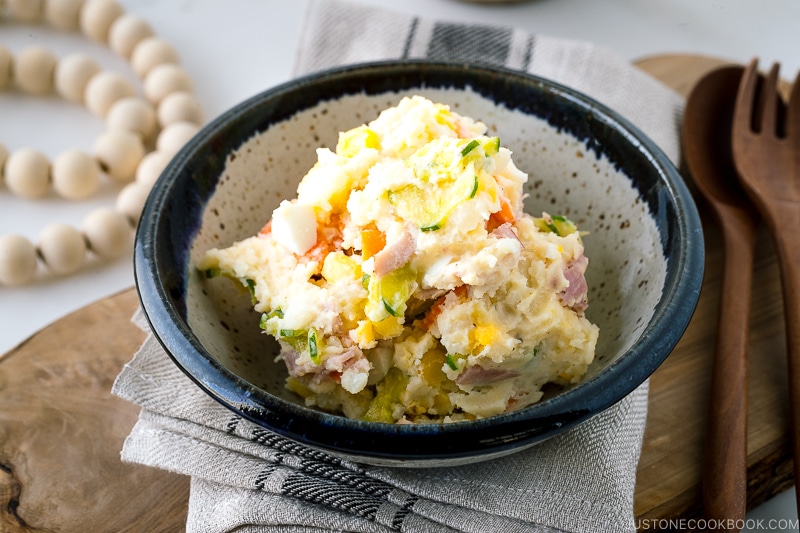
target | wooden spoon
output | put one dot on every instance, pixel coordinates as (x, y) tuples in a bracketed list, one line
[(706, 139)]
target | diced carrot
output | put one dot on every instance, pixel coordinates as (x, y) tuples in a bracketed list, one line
[(461, 291), (267, 229), (329, 239), (372, 241), (436, 309), (430, 317), (505, 214), (319, 251)]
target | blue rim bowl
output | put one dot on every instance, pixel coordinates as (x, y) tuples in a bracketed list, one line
[(173, 214)]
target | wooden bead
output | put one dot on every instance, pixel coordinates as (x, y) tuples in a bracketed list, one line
[(17, 260), (126, 32), (33, 70), (134, 115), (119, 153), (173, 137), (108, 233), (27, 173), (96, 18), (104, 89), (63, 14), (180, 106), (150, 53), (6, 67), (75, 175), (151, 167), (131, 199), (164, 80), (72, 74), (62, 248), (29, 11)]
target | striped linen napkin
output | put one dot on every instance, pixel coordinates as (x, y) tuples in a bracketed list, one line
[(247, 479)]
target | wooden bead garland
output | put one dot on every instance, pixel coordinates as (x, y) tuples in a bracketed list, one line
[(142, 134)]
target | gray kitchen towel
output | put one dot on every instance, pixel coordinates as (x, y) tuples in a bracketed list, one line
[(340, 33), (247, 479)]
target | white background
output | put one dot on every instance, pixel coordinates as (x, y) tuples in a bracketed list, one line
[(234, 49)]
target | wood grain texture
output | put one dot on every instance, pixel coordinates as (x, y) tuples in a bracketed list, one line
[(61, 431)]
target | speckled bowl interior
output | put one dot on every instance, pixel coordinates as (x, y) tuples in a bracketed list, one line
[(644, 245)]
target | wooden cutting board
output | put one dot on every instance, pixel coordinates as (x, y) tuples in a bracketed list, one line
[(61, 430)]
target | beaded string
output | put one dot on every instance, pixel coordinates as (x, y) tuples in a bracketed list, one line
[(141, 136)]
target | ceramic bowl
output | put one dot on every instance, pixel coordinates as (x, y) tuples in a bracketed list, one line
[(644, 244)]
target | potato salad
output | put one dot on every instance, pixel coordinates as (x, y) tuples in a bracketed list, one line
[(405, 284)]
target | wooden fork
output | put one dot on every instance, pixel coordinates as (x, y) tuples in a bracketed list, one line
[(766, 151)]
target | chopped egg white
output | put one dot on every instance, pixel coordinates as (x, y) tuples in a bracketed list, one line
[(295, 226)]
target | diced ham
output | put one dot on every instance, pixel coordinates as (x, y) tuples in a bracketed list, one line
[(430, 317), (396, 254), (295, 369), (477, 375), (349, 368), (339, 361), (505, 231), (355, 375), (575, 294)]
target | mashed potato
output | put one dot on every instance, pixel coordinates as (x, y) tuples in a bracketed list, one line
[(406, 284)]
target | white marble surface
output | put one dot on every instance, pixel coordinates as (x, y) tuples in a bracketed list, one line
[(236, 48)]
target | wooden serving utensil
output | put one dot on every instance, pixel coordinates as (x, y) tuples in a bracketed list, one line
[(706, 139), (766, 149)]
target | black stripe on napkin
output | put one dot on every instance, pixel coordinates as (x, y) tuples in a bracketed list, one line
[(261, 478), (331, 495), (281, 444), (529, 44), (469, 43), (322, 479), (345, 477), (232, 424), (412, 32), (399, 518)]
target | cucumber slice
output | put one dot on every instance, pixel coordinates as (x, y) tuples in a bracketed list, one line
[(474, 143), (389, 294), (560, 225)]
